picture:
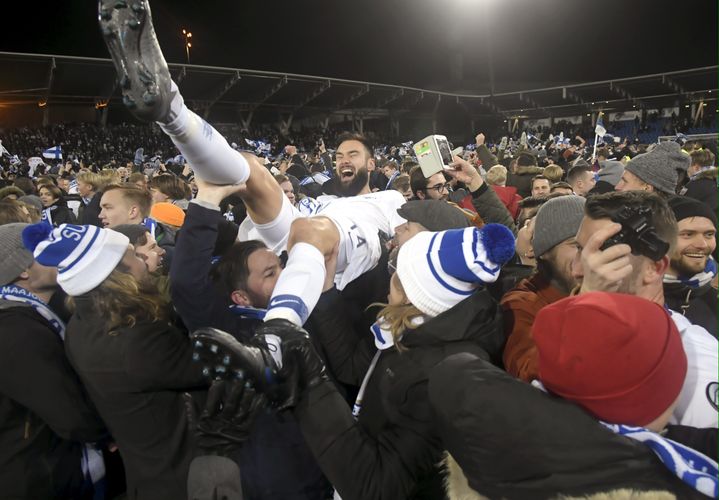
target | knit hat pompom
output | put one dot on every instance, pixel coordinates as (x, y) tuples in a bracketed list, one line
[(439, 270), (498, 240), (33, 234)]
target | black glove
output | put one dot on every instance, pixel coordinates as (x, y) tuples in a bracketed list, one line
[(225, 358), (301, 363), (228, 416)]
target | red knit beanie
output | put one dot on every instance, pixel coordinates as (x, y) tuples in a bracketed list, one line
[(618, 356)]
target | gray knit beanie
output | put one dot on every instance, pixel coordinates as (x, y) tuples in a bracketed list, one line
[(658, 168), (15, 257), (611, 171), (557, 220)]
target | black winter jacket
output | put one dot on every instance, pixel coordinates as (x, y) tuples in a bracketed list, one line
[(45, 414), (513, 441), (392, 450), (699, 305), (136, 378), (275, 462), (61, 214), (90, 214)]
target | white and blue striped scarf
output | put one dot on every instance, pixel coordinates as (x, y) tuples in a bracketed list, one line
[(695, 469), (15, 293), (696, 281), (92, 463)]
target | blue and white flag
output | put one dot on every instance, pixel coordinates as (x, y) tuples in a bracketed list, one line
[(139, 156), (15, 160), (599, 128), (408, 144), (3, 150), (53, 153)]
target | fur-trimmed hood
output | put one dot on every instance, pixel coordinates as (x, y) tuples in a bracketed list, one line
[(458, 488), (528, 171)]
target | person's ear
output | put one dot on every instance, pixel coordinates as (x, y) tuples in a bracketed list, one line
[(241, 298), (654, 270)]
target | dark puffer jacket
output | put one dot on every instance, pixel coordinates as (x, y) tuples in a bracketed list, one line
[(513, 441), (392, 450)]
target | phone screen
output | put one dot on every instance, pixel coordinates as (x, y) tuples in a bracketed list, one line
[(444, 151)]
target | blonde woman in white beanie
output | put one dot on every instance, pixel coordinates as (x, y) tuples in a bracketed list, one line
[(387, 446)]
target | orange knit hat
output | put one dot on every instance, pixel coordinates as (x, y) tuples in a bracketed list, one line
[(167, 213)]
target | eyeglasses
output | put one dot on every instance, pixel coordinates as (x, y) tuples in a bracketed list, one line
[(440, 187)]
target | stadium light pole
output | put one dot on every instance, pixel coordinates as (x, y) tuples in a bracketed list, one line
[(188, 43)]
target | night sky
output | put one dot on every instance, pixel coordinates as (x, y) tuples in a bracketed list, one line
[(534, 42)]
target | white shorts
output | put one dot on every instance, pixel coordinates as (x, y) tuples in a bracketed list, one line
[(359, 248)]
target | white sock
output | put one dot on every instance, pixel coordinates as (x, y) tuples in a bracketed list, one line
[(204, 148), (299, 286)]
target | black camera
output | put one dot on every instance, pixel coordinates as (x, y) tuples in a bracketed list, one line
[(638, 233)]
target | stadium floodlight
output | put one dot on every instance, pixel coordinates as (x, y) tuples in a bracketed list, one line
[(188, 43)]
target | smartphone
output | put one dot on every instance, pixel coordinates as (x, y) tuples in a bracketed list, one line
[(433, 154)]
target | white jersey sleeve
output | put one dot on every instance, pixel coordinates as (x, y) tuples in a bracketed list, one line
[(697, 405)]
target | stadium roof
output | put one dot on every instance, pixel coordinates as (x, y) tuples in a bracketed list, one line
[(233, 94)]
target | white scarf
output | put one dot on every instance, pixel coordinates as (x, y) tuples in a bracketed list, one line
[(383, 340)]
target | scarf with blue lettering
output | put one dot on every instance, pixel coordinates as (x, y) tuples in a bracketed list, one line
[(18, 294), (696, 281), (92, 462), (150, 224), (697, 470), (47, 215)]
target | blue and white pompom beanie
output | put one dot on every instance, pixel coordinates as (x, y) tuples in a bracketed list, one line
[(84, 255), (439, 270)]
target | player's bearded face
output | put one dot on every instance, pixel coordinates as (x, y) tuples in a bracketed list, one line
[(351, 185)]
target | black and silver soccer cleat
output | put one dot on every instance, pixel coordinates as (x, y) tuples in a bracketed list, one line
[(143, 75)]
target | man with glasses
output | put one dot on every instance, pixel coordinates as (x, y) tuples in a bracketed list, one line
[(434, 187)]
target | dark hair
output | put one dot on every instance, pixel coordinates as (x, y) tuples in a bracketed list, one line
[(141, 197), (232, 272), (576, 172), (417, 180), (26, 184), (171, 186), (526, 160), (608, 205), (532, 204), (408, 165), (392, 164), (540, 177), (354, 136), (55, 191), (603, 152), (137, 233)]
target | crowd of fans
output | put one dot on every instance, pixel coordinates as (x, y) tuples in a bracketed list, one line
[(532, 316), (625, 329)]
